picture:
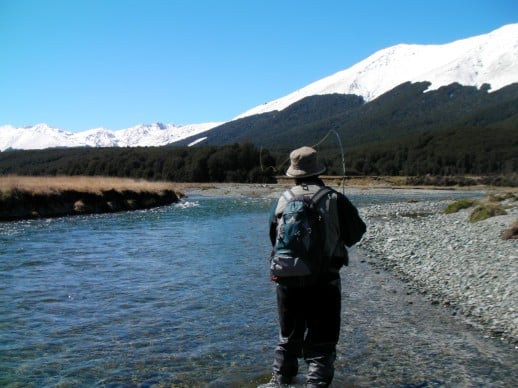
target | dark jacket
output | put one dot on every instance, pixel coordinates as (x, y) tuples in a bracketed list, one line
[(344, 227)]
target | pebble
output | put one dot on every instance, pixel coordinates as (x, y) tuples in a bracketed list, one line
[(466, 266)]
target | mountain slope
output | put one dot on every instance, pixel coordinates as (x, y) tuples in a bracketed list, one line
[(392, 92), (267, 128), (485, 59), (400, 112)]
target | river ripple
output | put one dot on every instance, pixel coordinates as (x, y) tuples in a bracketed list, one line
[(179, 296)]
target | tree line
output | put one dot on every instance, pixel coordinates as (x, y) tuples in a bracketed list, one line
[(446, 154), (232, 163)]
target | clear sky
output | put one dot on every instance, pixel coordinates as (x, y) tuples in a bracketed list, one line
[(81, 64)]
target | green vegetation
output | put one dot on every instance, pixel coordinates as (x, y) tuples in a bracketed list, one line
[(459, 205), (500, 197), (233, 163), (452, 131), (475, 151), (490, 207), (486, 210), (454, 135)]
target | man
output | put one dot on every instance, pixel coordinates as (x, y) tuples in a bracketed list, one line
[(309, 316)]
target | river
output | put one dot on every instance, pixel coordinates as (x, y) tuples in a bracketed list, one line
[(180, 296)]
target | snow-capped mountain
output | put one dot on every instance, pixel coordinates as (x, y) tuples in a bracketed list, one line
[(43, 136), (491, 58), (485, 59), (35, 137)]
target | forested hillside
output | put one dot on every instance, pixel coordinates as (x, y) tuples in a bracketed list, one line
[(441, 154), (235, 163), (405, 110), (454, 130)]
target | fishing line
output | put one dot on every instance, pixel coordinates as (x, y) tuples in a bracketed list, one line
[(342, 156), (331, 131), (341, 153)]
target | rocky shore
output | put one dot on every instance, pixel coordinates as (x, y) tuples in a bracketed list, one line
[(464, 265)]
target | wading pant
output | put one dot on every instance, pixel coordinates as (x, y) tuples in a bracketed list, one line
[(309, 320)]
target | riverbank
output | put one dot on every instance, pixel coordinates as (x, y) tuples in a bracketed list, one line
[(466, 266), (352, 185), (37, 197), (26, 197)]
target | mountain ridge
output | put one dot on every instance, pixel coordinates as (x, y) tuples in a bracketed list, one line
[(403, 111), (41, 136), (408, 62), (486, 62)]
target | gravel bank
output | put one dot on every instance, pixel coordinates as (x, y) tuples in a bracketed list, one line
[(460, 264)]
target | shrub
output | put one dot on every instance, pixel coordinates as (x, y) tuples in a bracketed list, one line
[(500, 197), (485, 211), (459, 205)]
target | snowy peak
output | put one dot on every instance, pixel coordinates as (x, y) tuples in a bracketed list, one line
[(97, 137), (491, 58), (36, 137), (42, 136), (485, 59)]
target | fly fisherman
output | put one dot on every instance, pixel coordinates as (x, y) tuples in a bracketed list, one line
[(309, 306)]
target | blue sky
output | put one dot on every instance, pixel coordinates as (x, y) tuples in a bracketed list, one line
[(81, 64)]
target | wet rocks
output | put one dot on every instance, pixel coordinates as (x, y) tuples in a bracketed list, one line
[(464, 265)]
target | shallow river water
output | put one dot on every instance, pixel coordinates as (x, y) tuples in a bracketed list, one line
[(180, 296)]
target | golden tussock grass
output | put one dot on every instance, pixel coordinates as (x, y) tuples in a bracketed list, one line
[(93, 184)]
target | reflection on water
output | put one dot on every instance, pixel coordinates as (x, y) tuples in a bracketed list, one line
[(180, 296)]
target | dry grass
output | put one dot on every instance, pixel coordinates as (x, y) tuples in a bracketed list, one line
[(42, 185)]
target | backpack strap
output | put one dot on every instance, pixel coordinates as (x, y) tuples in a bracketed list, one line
[(321, 193), (288, 194), (315, 198)]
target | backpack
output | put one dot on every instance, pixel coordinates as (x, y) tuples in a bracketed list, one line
[(296, 258)]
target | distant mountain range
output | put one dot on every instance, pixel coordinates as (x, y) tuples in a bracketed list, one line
[(397, 91), (42, 136)]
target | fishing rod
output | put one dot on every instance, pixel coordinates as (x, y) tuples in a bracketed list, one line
[(331, 131), (341, 154)]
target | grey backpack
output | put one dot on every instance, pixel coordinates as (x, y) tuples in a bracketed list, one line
[(296, 257)]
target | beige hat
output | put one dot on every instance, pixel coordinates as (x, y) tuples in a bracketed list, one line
[(304, 163)]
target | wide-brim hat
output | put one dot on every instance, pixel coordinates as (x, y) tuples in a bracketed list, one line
[(304, 163)]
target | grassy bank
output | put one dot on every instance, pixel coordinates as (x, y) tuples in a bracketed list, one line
[(24, 197), (42, 185)]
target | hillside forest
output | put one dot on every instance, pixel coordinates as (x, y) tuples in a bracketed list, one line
[(434, 158), (428, 136)]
